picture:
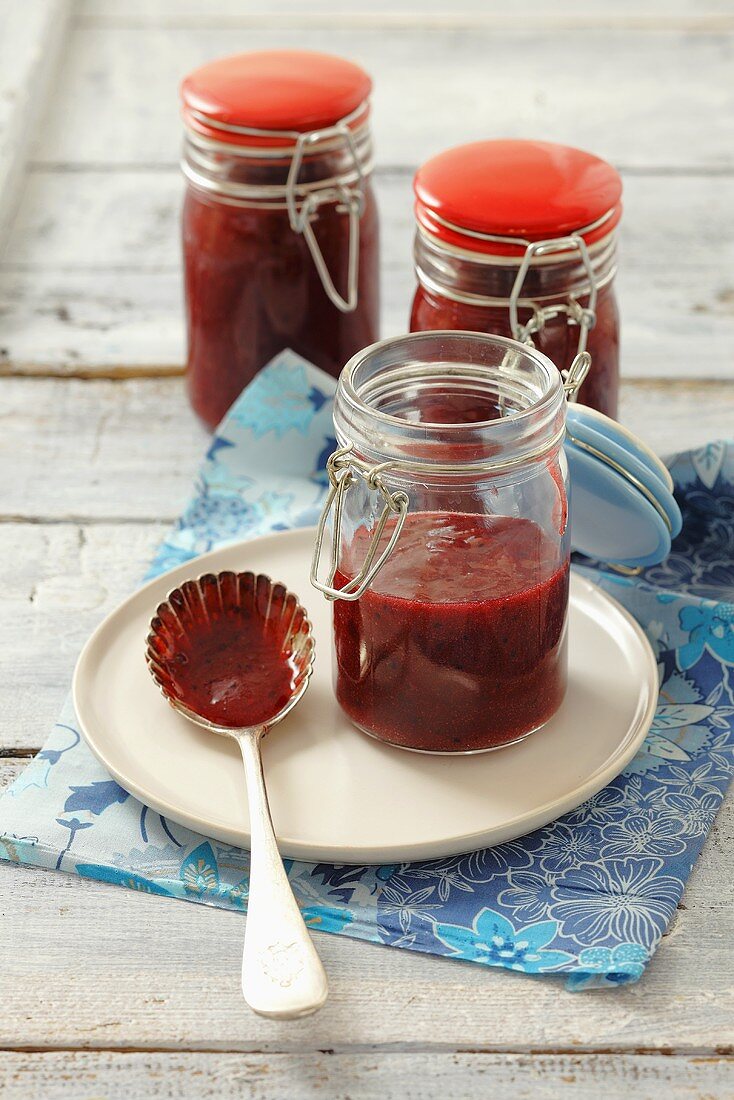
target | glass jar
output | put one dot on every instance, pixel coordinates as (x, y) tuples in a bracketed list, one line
[(518, 238), (448, 523), (280, 227)]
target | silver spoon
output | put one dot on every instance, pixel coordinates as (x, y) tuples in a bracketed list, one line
[(282, 975)]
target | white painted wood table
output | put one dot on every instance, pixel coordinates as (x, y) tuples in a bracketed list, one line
[(108, 993)]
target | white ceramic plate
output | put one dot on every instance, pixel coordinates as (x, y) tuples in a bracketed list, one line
[(337, 795)]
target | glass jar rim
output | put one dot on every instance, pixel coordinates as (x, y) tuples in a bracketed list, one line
[(346, 379), (511, 439)]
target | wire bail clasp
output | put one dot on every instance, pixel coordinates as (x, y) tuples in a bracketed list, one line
[(349, 200), (575, 375), (583, 316), (344, 469)]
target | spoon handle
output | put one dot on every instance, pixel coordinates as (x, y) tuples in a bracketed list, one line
[(282, 975)]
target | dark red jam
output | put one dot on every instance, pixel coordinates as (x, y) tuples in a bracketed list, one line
[(230, 670), (558, 340), (460, 642), (252, 290)]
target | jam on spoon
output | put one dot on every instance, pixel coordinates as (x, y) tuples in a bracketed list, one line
[(233, 652)]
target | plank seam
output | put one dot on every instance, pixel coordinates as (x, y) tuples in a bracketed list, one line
[(724, 1055), (42, 372), (424, 21), (87, 521), (381, 170)]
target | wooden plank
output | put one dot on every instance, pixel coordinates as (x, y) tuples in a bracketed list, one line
[(57, 582), (91, 323), (104, 418), (112, 324), (129, 450), (94, 220), (176, 982), (91, 274), (329, 13), (30, 39), (369, 1076), (113, 450), (646, 106), (10, 769), (661, 413)]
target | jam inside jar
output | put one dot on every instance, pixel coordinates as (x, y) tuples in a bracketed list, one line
[(450, 547), (487, 210), (279, 225)]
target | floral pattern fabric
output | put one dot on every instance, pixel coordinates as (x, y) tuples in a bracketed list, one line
[(588, 896)]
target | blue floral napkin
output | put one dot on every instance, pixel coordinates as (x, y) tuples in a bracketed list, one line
[(588, 896)]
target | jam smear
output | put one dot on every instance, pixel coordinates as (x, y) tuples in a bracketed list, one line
[(460, 642)]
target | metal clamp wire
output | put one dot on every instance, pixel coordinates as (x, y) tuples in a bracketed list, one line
[(349, 201), (344, 470), (584, 317)]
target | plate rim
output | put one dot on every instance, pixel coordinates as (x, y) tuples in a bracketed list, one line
[(512, 829)]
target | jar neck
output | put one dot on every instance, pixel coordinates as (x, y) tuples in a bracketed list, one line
[(476, 278), (260, 176), (450, 405)]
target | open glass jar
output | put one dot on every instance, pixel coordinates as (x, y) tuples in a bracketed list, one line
[(448, 522), (280, 228), (519, 238)]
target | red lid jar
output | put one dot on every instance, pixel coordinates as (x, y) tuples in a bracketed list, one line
[(280, 229), (518, 238)]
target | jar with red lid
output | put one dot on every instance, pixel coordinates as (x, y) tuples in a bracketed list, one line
[(280, 228), (447, 518), (518, 238)]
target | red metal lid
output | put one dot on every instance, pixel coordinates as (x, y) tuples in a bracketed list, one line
[(277, 90), (529, 190)]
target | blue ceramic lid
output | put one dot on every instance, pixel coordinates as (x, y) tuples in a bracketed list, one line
[(610, 518), (623, 437), (649, 482)]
